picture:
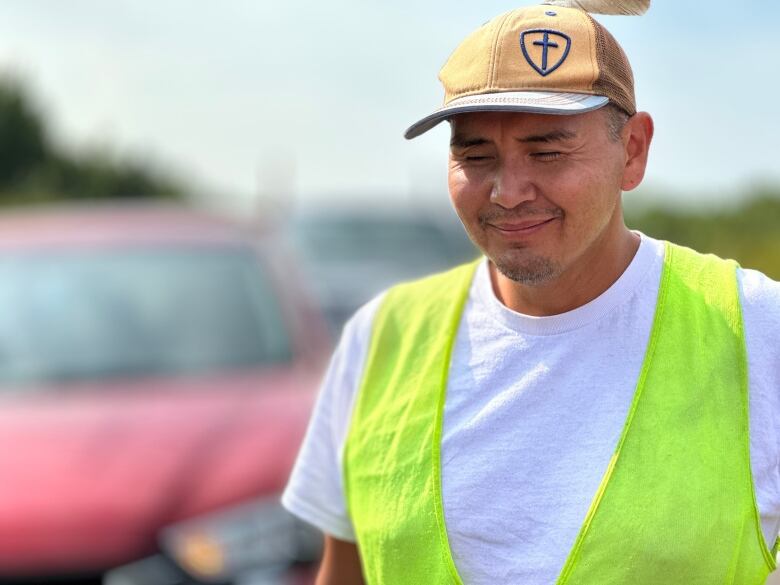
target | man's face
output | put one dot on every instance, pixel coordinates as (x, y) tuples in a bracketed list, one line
[(538, 194)]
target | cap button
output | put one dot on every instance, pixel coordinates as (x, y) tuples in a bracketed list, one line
[(551, 13)]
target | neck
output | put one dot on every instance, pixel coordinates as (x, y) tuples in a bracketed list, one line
[(594, 272)]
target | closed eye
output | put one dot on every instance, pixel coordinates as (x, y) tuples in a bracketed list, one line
[(546, 156)]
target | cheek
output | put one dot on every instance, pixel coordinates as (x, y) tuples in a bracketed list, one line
[(585, 187), (468, 193), (458, 190), (589, 204)]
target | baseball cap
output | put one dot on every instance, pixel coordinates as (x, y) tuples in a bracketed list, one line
[(542, 59)]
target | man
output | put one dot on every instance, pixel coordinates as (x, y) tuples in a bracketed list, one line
[(585, 405)]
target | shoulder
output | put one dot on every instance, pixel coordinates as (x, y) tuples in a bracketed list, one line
[(342, 379), (357, 330), (760, 293), (760, 299), (409, 300)]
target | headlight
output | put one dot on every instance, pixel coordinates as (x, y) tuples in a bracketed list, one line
[(259, 536)]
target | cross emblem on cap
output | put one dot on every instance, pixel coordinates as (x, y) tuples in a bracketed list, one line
[(544, 68)]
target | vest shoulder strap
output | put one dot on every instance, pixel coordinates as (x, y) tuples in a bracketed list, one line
[(391, 463)]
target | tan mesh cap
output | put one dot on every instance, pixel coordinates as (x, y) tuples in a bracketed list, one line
[(539, 59)]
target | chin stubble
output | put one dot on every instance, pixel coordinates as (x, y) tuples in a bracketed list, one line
[(531, 269)]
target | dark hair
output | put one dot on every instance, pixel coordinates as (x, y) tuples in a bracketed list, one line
[(616, 119)]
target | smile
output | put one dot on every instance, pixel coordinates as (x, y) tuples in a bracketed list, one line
[(524, 227)]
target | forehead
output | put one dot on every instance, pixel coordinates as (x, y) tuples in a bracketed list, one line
[(490, 124)]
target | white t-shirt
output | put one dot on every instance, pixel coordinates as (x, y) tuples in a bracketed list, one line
[(534, 409)]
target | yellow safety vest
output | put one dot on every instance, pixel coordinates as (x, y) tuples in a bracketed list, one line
[(676, 505)]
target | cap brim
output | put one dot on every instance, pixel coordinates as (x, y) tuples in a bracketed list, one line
[(535, 102)]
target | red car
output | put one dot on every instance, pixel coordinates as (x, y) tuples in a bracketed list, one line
[(157, 368)]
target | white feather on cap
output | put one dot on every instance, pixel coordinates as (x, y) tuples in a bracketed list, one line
[(631, 7)]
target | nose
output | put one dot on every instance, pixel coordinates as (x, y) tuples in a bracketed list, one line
[(512, 185)]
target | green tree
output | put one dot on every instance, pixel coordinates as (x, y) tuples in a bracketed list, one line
[(23, 143), (32, 169), (749, 232)]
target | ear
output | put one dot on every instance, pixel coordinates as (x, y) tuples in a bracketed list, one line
[(637, 135)]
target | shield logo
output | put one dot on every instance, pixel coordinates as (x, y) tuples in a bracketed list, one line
[(544, 49)]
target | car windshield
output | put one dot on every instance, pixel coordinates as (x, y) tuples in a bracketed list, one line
[(407, 243), (83, 315)]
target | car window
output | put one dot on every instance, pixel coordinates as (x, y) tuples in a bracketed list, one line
[(406, 243), (349, 258), (80, 315)]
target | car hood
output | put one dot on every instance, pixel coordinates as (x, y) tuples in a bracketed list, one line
[(92, 472)]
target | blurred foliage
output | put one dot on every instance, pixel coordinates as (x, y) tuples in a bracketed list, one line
[(33, 168), (748, 232)]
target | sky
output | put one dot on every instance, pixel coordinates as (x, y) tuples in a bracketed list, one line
[(309, 100)]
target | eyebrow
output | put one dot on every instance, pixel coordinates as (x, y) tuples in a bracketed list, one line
[(460, 141), (553, 136)]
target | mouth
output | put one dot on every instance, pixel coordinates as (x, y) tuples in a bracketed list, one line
[(521, 227)]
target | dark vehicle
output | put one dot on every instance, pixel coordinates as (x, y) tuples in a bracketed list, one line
[(157, 368), (349, 256)]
